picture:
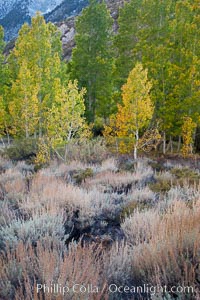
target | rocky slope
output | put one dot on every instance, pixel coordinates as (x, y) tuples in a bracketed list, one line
[(64, 17), (65, 9), (13, 13), (67, 27)]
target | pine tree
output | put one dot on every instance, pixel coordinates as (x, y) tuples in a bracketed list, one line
[(92, 59)]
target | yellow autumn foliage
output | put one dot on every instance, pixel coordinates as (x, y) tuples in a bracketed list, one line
[(188, 128), (134, 114)]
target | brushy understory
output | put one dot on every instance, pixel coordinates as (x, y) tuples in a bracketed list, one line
[(112, 221)]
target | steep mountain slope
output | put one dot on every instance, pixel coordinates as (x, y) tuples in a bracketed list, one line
[(13, 13), (67, 27), (31, 6), (66, 9), (63, 16), (5, 7)]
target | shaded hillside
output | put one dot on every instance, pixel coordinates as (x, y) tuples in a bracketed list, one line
[(67, 27), (64, 17)]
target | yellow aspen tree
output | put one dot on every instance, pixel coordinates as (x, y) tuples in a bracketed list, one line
[(24, 105), (2, 116), (38, 51), (110, 134), (137, 109), (65, 119), (188, 128)]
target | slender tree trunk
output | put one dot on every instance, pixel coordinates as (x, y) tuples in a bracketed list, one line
[(3, 142), (117, 147), (171, 144), (40, 116), (136, 144), (191, 148), (179, 143), (66, 151), (197, 139), (90, 102), (8, 138), (69, 135), (40, 129), (59, 156), (135, 152), (164, 142)]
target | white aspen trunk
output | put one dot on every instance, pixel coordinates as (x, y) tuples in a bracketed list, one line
[(191, 148), (40, 117), (69, 135), (179, 144), (59, 156), (135, 152), (65, 156), (8, 138), (136, 144), (89, 98), (3, 142), (171, 144), (117, 147), (164, 142)]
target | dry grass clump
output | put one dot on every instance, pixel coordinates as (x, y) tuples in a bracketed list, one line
[(163, 183), (12, 182), (185, 193), (32, 230), (48, 217), (164, 175), (181, 172), (140, 226), (51, 195), (63, 170), (109, 164), (111, 178), (88, 151), (143, 169), (24, 168), (47, 195), (178, 178), (7, 213), (48, 263), (109, 181), (90, 203), (117, 263), (5, 164), (167, 247), (138, 199), (142, 195)]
